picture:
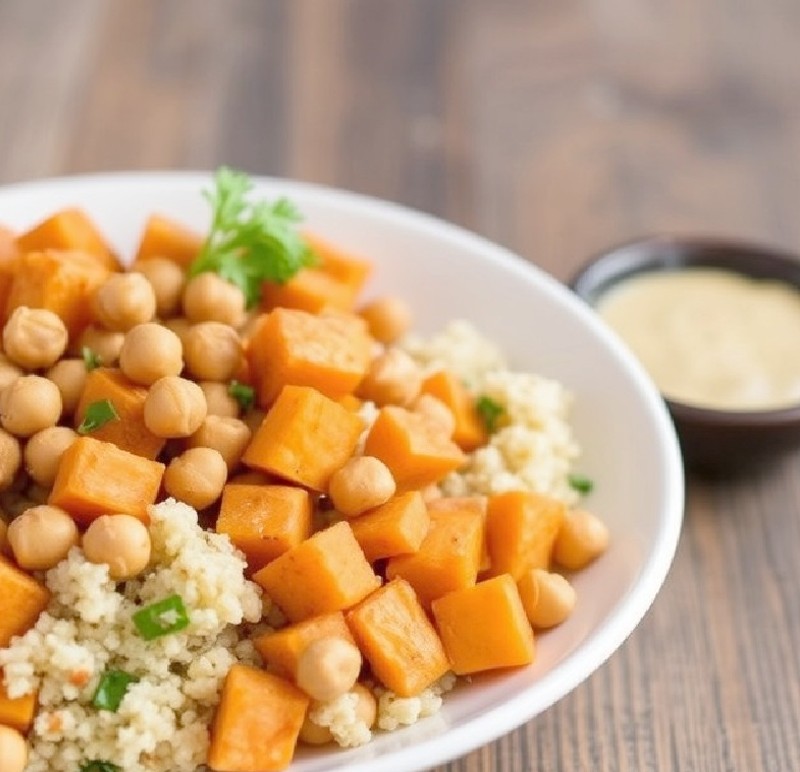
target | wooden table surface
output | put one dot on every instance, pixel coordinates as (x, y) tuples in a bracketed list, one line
[(555, 127)]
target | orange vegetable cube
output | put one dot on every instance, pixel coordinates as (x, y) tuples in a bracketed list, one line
[(9, 259), (416, 452), (470, 432), (62, 282), (305, 438), (330, 353), (97, 478), (21, 601), (397, 639), (163, 237), (281, 650), (309, 290), (130, 432), (448, 558), (352, 271), (257, 722), (16, 713), (395, 528), (485, 627), (264, 521), (521, 528), (69, 229), (326, 573), (474, 504)]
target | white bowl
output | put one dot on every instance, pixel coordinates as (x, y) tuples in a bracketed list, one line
[(629, 445)]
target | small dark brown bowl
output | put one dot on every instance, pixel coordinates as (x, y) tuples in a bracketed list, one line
[(713, 441)]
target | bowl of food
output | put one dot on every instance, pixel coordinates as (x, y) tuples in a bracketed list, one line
[(714, 322), (366, 489)]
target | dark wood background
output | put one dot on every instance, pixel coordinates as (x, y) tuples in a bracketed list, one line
[(555, 127)]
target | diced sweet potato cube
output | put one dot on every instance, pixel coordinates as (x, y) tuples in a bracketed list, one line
[(473, 504), (305, 438), (309, 290), (9, 261), (414, 449), (62, 282), (326, 573), (130, 432), (485, 627), (16, 713), (22, 599), (448, 558), (521, 528), (70, 230), (264, 521), (470, 432), (397, 639), (397, 527), (97, 478), (163, 237), (257, 722), (281, 649), (330, 353), (349, 269)]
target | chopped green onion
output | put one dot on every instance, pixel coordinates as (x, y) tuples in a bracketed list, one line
[(100, 766), (91, 359), (490, 412), (111, 689), (245, 395), (580, 483), (97, 414), (161, 618)]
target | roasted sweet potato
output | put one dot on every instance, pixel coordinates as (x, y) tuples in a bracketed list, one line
[(470, 432), (22, 599), (17, 713), (163, 237)]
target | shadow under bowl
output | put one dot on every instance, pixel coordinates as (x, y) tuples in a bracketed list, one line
[(718, 442)]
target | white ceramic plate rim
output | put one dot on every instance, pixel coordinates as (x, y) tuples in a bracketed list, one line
[(629, 610)]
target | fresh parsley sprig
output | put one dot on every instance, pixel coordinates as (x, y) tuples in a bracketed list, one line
[(250, 242)]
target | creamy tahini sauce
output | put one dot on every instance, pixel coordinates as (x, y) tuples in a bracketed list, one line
[(710, 337)]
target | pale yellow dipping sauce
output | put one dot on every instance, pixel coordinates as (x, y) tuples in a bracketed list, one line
[(711, 337)]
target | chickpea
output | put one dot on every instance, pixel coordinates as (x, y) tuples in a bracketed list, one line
[(548, 599), (150, 352), (582, 537), (124, 301), (367, 707), (43, 453), (120, 541), (393, 378), (228, 436), (436, 412), (196, 477), (180, 326), (13, 750), (209, 298), (219, 401), (362, 483), (314, 734), (388, 318), (10, 459), (174, 407), (9, 372), (30, 404), (69, 376), (213, 351), (327, 668), (106, 344), (42, 536), (34, 337), (166, 278)]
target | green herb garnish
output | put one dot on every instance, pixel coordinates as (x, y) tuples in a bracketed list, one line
[(91, 359), (580, 483), (97, 414), (111, 689), (161, 618), (250, 242), (245, 395), (100, 766), (489, 411)]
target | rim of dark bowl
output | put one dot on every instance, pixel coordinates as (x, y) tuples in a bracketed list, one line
[(668, 253)]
